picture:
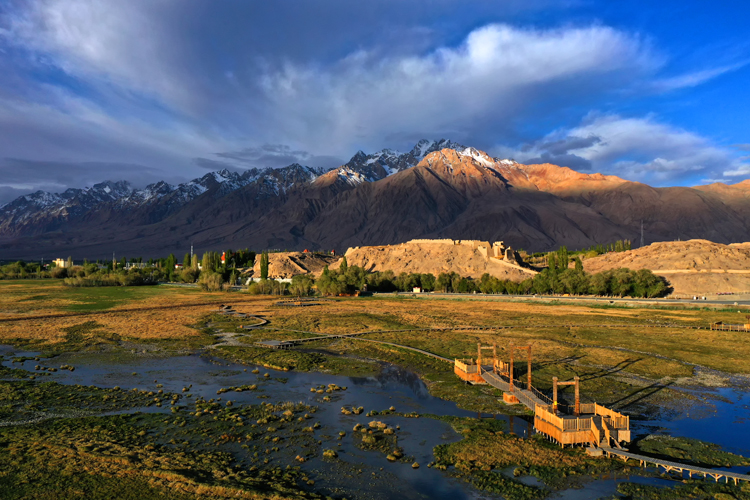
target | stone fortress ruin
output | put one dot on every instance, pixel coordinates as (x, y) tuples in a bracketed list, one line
[(470, 258), (497, 250)]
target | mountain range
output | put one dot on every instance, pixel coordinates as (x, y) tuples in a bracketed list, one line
[(439, 189)]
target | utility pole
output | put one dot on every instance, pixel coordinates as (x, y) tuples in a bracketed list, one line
[(114, 262), (191, 252)]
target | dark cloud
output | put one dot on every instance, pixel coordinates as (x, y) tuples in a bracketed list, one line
[(557, 152), (150, 90), (16, 174), (277, 156), (214, 165), (563, 160), (563, 146), (8, 194)]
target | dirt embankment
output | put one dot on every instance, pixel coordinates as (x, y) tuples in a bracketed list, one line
[(693, 267), (287, 264), (433, 258)]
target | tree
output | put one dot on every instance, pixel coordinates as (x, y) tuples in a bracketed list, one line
[(169, 264), (444, 282), (206, 262), (194, 262), (579, 264), (210, 281), (599, 283), (187, 261), (301, 285), (541, 283), (427, 281), (264, 266), (404, 282), (329, 284), (562, 257), (622, 282), (344, 265)]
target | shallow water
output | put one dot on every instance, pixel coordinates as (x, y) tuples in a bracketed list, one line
[(722, 418), (607, 487), (356, 472)]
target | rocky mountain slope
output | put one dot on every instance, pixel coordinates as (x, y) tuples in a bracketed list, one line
[(439, 189)]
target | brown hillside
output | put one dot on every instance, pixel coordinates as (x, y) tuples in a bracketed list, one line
[(693, 267), (432, 257), (288, 264)]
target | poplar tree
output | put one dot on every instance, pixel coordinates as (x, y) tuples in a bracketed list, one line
[(264, 266)]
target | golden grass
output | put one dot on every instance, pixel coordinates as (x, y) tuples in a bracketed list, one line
[(173, 312), (35, 312)]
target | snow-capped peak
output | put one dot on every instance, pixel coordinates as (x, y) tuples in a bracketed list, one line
[(479, 156)]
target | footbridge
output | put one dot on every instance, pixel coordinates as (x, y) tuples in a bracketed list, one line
[(588, 424), (677, 467)]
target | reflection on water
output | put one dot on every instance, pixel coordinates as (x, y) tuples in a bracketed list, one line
[(722, 419), (358, 473), (607, 486)]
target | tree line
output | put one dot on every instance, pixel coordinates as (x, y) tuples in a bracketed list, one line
[(558, 279)]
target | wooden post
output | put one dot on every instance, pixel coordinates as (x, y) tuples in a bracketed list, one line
[(578, 397), (494, 358), (510, 369), (529, 371), (479, 355), (554, 395)]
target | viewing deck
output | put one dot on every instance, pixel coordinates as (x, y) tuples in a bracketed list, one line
[(595, 426)]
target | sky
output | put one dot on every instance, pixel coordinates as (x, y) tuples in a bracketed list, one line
[(148, 90)]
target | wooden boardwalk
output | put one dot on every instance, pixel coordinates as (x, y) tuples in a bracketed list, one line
[(674, 466), (528, 398)]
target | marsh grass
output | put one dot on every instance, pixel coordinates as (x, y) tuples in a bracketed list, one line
[(692, 489), (487, 448), (175, 456), (686, 450)]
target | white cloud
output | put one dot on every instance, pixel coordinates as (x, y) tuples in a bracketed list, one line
[(695, 78), (117, 43), (160, 88), (641, 149), (498, 70)]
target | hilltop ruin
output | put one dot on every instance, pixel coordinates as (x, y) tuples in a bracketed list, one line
[(470, 258)]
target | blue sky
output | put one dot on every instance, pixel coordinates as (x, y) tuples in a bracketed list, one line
[(146, 90)]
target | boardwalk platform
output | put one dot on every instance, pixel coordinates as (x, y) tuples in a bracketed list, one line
[(595, 426), (275, 344), (678, 467), (528, 398)]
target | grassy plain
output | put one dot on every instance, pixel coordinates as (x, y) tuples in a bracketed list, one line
[(622, 354), (627, 357)]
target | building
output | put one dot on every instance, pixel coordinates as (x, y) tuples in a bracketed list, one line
[(61, 263)]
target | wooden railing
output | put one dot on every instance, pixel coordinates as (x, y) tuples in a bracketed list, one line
[(597, 434), (545, 414), (730, 328), (618, 420), (587, 408), (467, 367)]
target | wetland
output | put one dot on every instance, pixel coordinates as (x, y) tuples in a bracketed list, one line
[(142, 393)]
